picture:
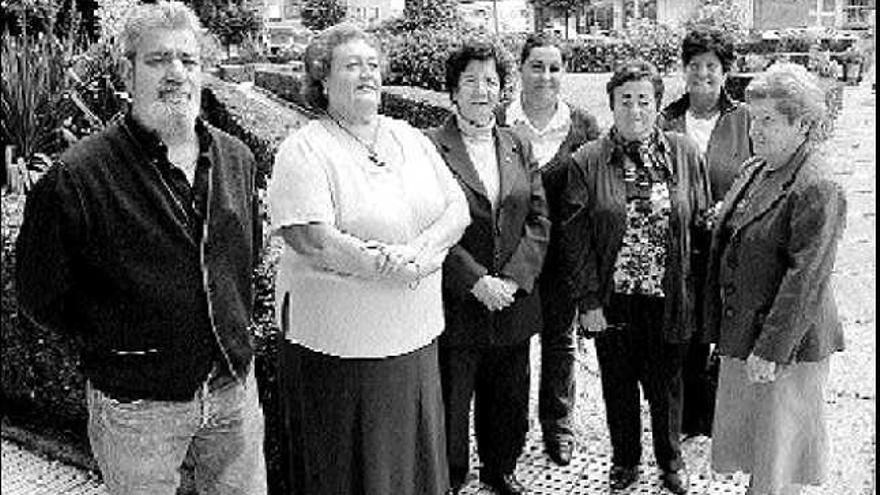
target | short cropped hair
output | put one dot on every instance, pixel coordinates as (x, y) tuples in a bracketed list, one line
[(319, 57), (164, 14), (474, 50), (635, 70), (706, 39), (798, 95), (539, 40)]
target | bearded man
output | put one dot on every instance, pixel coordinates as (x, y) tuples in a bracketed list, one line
[(140, 242)]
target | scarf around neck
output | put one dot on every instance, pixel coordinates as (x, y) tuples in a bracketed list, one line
[(471, 130), (648, 161)]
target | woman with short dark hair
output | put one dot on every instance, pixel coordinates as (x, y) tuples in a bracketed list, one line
[(492, 307), (632, 202), (555, 129), (720, 127)]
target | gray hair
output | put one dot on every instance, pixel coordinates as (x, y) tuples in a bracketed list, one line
[(319, 56), (163, 14), (798, 95)]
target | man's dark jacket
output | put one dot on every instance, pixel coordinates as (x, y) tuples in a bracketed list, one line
[(107, 253)]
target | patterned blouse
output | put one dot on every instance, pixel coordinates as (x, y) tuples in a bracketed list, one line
[(641, 262)]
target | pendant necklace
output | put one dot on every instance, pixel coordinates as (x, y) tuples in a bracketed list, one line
[(370, 149)]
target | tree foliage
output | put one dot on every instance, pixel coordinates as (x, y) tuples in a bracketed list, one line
[(321, 14), (725, 15), (231, 21), (425, 15)]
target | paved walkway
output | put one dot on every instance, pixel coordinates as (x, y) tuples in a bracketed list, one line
[(851, 394)]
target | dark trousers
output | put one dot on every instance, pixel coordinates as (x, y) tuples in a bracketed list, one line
[(700, 381), (633, 352), (498, 379), (556, 393)]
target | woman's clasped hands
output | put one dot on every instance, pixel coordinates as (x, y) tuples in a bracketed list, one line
[(396, 261), (495, 293)]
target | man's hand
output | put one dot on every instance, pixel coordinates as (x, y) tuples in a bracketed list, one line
[(593, 320), (760, 370), (493, 292)]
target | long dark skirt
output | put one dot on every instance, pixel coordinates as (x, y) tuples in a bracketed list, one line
[(363, 426)]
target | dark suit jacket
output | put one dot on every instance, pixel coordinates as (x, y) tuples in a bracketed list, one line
[(729, 144), (509, 243), (768, 288), (555, 295)]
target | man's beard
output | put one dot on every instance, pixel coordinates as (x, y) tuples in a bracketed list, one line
[(171, 117)]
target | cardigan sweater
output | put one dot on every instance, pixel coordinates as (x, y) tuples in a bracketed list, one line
[(595, 222)]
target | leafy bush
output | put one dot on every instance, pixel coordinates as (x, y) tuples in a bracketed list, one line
[(421, 108), (657, 43), (33, 93), (318, 15), (284, 84), (418, 58), (725, 15)]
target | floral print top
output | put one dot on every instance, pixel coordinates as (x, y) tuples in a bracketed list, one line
[(641, 262)]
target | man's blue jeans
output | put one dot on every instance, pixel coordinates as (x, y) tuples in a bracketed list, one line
[(141, 445)]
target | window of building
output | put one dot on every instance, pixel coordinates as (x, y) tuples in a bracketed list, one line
[(292, 9), (858, 13)]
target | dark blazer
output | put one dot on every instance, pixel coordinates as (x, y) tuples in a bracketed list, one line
[(729, 144), (768, 288), (554, 175), (510, 243), (595, 223)]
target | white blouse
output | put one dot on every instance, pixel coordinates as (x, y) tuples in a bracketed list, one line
[(321, 175), (700, 130)]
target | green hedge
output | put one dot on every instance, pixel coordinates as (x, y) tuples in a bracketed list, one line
[(418, 58), (420, 107)]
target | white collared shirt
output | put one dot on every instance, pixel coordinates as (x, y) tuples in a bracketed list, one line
[(545, 142), (700, 130)]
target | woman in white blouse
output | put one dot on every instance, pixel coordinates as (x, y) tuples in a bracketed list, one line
[(368, 211)]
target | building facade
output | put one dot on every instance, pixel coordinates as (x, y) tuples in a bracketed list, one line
[(499, 16), (782, 14), (600, 16)]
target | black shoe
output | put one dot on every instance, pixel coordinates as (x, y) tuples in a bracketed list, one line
[(675, 481), (621, 477), (503, 484), (559, 449)]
